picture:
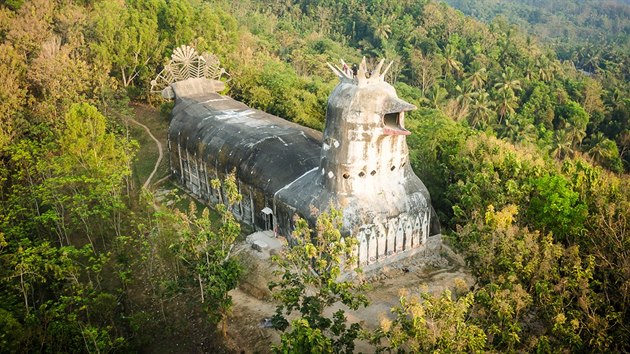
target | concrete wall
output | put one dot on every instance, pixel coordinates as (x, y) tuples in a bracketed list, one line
[(378, 240), (361, 167)]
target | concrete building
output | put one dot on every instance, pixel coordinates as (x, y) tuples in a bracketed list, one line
[(360, 163)]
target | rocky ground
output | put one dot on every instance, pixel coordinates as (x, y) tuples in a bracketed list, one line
[(253, 302)]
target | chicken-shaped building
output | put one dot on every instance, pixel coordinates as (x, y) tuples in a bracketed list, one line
[(360, 164)]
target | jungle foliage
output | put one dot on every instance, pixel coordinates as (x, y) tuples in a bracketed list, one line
[(524, 146)]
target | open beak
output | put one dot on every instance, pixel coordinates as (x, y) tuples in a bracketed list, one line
[(394, 117)]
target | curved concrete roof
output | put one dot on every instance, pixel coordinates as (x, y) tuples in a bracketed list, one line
[(268, 152)]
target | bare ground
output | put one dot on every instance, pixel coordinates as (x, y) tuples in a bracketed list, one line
[(253, 303)]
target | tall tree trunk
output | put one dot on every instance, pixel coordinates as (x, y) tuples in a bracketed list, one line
[(200, 287)]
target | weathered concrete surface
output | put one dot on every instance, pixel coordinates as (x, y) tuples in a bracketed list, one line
[(212, 135), (265, 243), (365, 171), (360, 165)]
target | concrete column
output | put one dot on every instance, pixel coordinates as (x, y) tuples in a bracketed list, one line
[(179, 155), (408, 232), (426, 225), (381, 240), (400, 235), (363, 249), (417, 231), (205, 176), (392, 226), (370, 233)]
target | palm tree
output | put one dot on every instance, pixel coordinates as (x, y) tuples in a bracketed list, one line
[(464, 97), (591, 58), (451, 64), (616, 99), (480, 109), (545, 69), (478, 78), (598, 147), (382, 29), (511, 129), (506, 102), (530, 70), (563, 146), (528, 132), (436, 96), (508, 81), (575, 133)]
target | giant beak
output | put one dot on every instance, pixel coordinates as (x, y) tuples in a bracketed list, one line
[(394, 116)]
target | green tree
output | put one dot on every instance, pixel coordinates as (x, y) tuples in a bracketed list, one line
[(61, 297), (310, 272), (177, 22), (31, 26), (574, 120), (555, 207), (58, 78), (538, 107), (216, 30), (525, 274), (12, 94), (478, 78), (506, 102), (605, 152), (125, 38), (508, 81), (452, 66), (425, 69), (464, 99), (545, 69), (382, 29), (436, 96), (83, 182), (427, 323), (206, 250), (481, 110), (563, 145)]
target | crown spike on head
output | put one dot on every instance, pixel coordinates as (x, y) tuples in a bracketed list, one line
[(377, 71), (362, 71), (341, 73), (386, 70), (335, 70), (363, 76)]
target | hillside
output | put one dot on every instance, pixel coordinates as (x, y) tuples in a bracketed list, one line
[(522, 136), (592, 35), (575, 22)]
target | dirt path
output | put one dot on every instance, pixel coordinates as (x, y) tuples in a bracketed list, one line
[(147, 183)]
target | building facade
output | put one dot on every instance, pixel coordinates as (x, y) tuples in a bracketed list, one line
[(360, 164)]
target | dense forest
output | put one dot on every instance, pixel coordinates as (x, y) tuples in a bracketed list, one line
[(574, 22), (593, 35), (523, 142)]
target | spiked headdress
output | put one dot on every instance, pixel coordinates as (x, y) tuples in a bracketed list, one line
[(363, 76)]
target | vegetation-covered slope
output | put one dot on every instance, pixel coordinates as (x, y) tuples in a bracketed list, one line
[(564, 20), (524, 155)]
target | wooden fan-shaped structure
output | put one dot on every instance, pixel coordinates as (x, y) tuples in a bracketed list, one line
[(185, 64)]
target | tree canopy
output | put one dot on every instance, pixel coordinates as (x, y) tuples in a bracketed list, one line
[(522, 137)]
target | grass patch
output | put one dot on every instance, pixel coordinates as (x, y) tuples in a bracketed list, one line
[(147, 156), (148, 152)]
